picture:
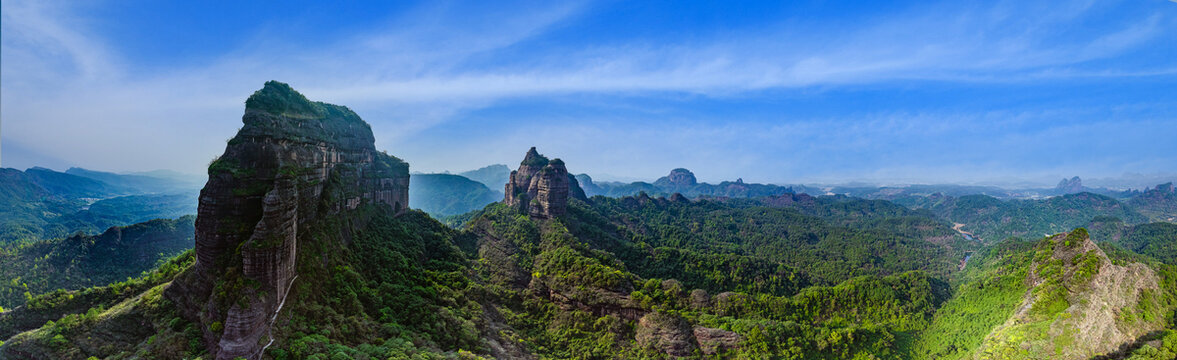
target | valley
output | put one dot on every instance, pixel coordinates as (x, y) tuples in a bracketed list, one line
[(307, 242)]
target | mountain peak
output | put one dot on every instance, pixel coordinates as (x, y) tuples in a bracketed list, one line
[(277, 111), (540, 187), (1070, 186), (679, 177), (279, 98), (533, 158), (283, 174)]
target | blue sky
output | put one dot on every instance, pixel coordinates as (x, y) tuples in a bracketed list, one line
[(782, 92)]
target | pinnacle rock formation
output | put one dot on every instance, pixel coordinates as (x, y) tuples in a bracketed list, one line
[(294, 163), (541, 187)]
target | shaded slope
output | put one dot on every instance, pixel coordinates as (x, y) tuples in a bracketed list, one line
[(444, 194), (83, 261)]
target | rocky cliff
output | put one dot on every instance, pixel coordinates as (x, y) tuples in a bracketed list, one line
[(541, 187), (1079, 304), (262, 193), (678, 178)]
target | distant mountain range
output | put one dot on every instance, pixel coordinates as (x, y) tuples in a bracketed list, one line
[(311, 244), (40, 203), (443, 195)]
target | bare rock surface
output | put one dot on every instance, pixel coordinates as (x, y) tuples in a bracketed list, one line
[(1100, 299), (261, 195), (540, 187), (667, 333), (713, 341)]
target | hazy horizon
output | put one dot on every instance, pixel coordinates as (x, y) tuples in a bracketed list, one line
[(798, 93)]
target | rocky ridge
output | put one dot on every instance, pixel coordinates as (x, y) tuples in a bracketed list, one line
[(1079, 303), (269, 186)]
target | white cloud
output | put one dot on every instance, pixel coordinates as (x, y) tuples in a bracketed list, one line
[(68, 95)]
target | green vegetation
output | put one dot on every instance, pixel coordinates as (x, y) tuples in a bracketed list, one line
[(993, 220), (1155, 240), (985, 296), (41, 204), (81, 261), (718, 246), (54, 305), (835, 278)]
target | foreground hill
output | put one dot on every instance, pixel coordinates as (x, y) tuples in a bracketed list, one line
[(1059, 298)]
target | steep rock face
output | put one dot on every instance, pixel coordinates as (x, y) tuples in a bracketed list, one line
[(541, 187), (1079, 304), (678, 178), (261, 194)]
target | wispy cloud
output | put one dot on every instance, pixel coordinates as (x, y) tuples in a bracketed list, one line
[(70, 95)]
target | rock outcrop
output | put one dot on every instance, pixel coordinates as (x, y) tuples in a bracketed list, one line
[(541, 187), (1069, 186), (714, 341), (674, 336), (667, 333), (1079, 303), (271, 183), (677, 179)]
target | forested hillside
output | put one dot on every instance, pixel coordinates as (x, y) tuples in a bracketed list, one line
[(993, 220), (304, 249), (39, 204), (81, 261)]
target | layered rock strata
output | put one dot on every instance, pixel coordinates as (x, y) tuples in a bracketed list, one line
[(541, 187), (267, 189)]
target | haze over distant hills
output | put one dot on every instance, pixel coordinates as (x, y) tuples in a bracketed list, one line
[(40, 203), (588, 180), (309, 242)]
